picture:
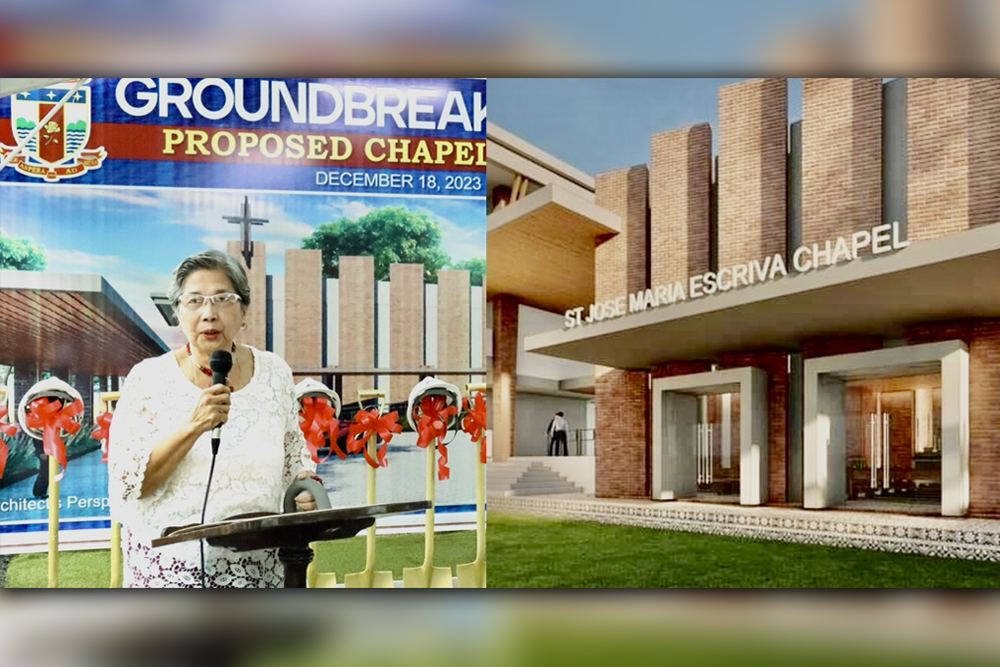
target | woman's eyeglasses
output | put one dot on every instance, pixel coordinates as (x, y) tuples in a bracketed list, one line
[(196, 301)]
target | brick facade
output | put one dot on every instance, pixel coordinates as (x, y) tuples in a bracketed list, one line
[(256, 318), (679, 193), (504, 380), (622, 450), (753, 126), (620, 261), (953, 147), (671, 368), (303, 308), (828, 347), (406, 326), (453, 323), (983, 339), (841, 157), (357, 322)]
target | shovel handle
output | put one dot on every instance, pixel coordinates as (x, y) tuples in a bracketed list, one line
[(307, 484)]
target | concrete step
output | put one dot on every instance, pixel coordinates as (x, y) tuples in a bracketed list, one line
[(517, 478)]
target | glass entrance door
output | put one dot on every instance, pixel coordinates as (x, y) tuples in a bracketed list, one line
[(718, 447), (893, 439)]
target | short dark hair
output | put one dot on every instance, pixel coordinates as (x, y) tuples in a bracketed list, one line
[(560, 413)]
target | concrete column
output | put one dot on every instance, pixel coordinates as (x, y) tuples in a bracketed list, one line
[(357, 322), (754, 439), (675, 421), (256, 319), (825, 455), (504, 386), (303, 308), (406, 326), (955, 434)]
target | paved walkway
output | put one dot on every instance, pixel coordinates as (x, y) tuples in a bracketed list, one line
[(975, 539)]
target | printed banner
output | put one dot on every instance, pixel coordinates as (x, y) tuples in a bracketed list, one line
[(108, 183)]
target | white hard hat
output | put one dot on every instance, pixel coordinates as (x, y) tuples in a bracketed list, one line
[(313, 388), (52, 387), (431, 386)]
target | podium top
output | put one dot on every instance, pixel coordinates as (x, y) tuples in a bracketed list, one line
[(262, 530)]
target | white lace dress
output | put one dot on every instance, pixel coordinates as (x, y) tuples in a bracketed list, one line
[(262, 449)]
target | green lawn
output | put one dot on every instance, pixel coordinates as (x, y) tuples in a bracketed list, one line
[(534, 552), (90, 569)]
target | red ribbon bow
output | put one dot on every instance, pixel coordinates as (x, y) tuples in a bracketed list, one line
[(474, 421), (100, 432), (367, 422), (6, 429), (433, 425), (317, 421), (53, 418)]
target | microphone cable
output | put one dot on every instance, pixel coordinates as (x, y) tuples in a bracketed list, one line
[(204, 506)]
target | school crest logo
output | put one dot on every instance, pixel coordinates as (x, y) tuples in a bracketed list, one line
[(58, 148)]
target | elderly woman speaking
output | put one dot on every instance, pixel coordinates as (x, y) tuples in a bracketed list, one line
[(160, 452)]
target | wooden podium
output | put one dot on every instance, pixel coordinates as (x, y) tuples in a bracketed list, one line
[(290, 532)]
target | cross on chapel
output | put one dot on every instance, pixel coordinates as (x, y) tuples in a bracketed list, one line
[(245, 221)]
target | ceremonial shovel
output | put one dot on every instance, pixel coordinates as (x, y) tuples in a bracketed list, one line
[(473, 575), (368, 578), (428, 576)]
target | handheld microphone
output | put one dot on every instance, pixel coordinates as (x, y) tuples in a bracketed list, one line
[(221, 362)]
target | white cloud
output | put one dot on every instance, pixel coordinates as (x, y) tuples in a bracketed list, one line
[(215, 242), (458, 241), (133, 196), (350, 209), (65, 260)]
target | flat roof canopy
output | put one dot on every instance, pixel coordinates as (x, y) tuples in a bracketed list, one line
[(547, 244), (951, 278), (74, 321)]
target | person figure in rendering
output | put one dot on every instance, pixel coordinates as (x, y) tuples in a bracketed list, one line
[(160, 441), (557, 429)]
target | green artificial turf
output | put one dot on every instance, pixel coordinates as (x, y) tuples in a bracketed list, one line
[(535, 552), (91, 569)]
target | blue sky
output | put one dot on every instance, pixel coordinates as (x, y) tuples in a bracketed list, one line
[(135, 236), (602, 124)]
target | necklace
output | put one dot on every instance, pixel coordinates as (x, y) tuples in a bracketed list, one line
[(201, 368)]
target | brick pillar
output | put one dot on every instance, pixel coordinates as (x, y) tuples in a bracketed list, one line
[(753, 125), (775, 364), (622, 444), (406, 326), (303, 309), (256, 319), (679, 192), (620, 261), (357, 323), (953, 144), (620, 267), (454, 338), (841, 157), (504, 384), (983, 340)]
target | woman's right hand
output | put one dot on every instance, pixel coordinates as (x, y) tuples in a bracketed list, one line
[(212, 408)]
